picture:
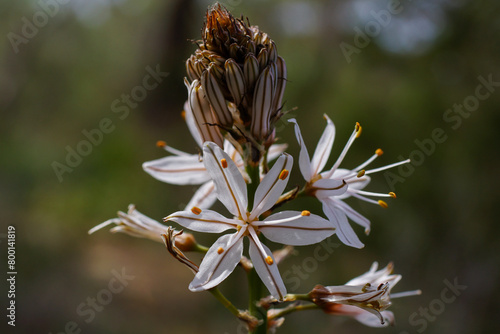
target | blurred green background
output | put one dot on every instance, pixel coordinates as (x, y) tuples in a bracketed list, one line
[(62, 76)]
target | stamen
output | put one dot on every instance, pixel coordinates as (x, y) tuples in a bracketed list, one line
[(361, 173), (305, 213), (363, 198), (196, 210), (161, 143), (393, 195), (183, 114), (406, 294), (379, 152), (269, 260), (223, 162), (283, 175), (343, 153), (371, 171), (220, 250), (383, 204), (369, 193)]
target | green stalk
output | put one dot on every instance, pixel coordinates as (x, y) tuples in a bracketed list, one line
[(224, 301), (292, 309)]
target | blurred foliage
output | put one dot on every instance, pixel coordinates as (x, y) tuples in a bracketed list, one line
[(65, 78)]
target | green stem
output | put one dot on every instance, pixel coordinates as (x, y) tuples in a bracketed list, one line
[(253, 173), (200, 248), (254, 295), (292, 309), (224, 301)]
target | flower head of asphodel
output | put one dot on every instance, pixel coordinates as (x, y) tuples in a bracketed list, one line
[(236, 83)]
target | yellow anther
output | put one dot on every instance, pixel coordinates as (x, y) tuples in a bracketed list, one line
[(220, 250), (305, 213), (196, 210), (383, 204), (223, 162), (283, 174), (161, 143), (238, 228), (269, 260), (358, 130), (393, 195), (379, 152), (361, 173), (183, 114)]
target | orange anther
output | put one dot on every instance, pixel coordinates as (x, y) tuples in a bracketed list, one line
[(196, 210), (383, 204), (284, 173)]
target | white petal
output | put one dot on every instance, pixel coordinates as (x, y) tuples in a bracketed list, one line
[(144, 221), (229, 183), (372, 320), (329, 187), (275, 151), (355, 183), (204, 197), (104, 224), (217, 265), (338, 218), (269, 274), (233, 153), (304, 162), (292, 228), (272, 186), (180, 170), (204, 221), (355, 216), (191, 123), (324, 147)]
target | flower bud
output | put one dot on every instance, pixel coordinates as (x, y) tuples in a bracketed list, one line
[(242, 77)]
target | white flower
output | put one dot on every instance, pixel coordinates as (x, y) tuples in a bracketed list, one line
[(187, 169), (286, 227), (336, 184), (362, 297), (135, 224)]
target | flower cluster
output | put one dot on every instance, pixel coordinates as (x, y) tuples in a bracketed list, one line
[(236, 82)]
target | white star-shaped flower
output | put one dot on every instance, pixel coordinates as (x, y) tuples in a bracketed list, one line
[(336, 184), (286, 227)]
